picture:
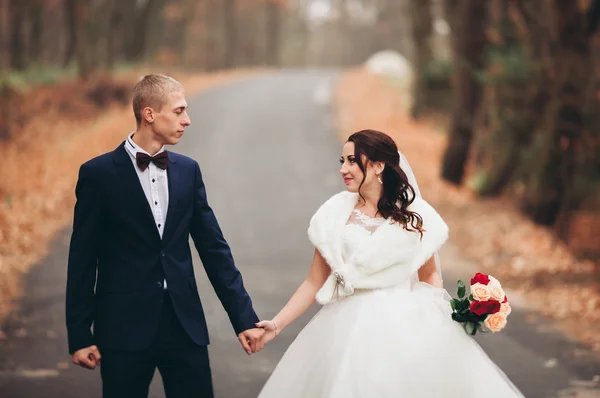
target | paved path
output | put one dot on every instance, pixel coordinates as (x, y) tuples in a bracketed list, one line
[(269, 156)]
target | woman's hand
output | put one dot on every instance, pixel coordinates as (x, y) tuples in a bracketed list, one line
[(271, 330)]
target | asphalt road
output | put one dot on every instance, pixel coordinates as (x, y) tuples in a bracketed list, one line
[(268, 151)]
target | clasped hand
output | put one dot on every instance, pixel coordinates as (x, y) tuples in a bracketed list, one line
[(254, 340)]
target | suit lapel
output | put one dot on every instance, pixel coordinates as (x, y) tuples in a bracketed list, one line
[(132, 189), (173, 176)]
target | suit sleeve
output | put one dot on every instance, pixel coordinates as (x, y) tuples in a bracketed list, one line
[(218, 261), (82, 263)]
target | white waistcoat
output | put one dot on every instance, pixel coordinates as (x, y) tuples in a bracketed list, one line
[(390, 257)]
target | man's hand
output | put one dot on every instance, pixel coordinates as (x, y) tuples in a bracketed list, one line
[(87, 358), (270, 329), (251, 340)]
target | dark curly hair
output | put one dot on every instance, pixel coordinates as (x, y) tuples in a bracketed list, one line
[(398, 194)]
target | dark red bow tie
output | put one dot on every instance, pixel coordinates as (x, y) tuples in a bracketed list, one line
[(161, 160)]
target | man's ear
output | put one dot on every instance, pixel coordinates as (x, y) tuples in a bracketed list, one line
[(148, 115)]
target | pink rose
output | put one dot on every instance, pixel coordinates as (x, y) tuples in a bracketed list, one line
[(480, 292), (497, 293), (495, 322), (505, 309)]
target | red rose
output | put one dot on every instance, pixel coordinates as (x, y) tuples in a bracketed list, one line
[(484, 307), (480, 278), (505, 299)]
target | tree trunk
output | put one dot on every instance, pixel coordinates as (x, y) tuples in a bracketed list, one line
[(5, 14), (422, 32), (154, 30), (171, 41), (127, 20), (103, 32), (114, 23), (273, 32), (142, 23), (451, 12), (82, 53), (210, 48), (71, 16), (18, 59), (503, 104), (36, 31), (469, 60), (187, 32), (551, 194), (517, 97), (230, 30)]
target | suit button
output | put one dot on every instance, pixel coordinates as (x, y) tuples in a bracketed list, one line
[(159, 284), (162, 254)]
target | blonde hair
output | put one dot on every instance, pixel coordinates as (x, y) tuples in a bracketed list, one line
[(151, 91)]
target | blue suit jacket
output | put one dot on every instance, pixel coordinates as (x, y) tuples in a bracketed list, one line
[(116, 248)]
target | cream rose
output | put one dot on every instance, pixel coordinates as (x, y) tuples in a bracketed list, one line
[(480, 292), (505, 309), (495, 322), (493, 282), (497, 293)]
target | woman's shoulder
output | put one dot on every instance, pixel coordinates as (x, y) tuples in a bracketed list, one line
[(336, 200), (332, 205)]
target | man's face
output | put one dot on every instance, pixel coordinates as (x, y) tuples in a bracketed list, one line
[(171, 120)]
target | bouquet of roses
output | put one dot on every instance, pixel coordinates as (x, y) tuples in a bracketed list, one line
[(485, 309)]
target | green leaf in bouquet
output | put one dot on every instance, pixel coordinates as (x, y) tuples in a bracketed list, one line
[(461, 289), (471, 297), (465, 304), (481, 328), (453, 304), (470, 328), (458, 318), (475, 318), (482, 317), (458, 305)]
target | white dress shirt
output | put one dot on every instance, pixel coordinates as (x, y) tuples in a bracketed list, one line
[(154, 182)]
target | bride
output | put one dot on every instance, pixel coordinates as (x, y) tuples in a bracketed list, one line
[(385, 328)]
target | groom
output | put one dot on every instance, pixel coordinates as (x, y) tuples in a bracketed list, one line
[(130, 268)]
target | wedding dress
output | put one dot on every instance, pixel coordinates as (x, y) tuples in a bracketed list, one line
[(382, 333)]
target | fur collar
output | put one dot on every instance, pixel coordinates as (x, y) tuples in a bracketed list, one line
[(389, 257)]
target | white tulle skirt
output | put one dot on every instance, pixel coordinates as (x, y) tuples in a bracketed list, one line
[(387, 343)]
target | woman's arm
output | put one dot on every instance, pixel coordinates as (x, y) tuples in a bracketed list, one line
[(428, 273), (302, 299)]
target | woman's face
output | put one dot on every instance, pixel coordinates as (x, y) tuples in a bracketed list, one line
[(351, 172)]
